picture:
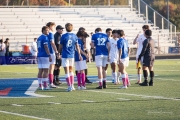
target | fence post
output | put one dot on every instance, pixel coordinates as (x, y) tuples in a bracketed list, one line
[(158, 45), (175, 32), (109, 4), (139, 7), (162, 23), (89, 2), (7, 2), (154, 19), (171, 32), (131, 4), (49, 2), (146, 14), (69, 2)]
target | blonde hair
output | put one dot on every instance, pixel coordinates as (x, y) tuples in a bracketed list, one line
[(69, 27)]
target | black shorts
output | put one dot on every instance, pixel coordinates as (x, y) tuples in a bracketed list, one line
[(148, 61), (58, 62)]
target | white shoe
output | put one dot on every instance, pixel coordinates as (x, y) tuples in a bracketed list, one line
[(40, 88), (53, 86), (83, 88), (69, 89), (47, 88), (79, 88), (72, 87), (123, 87)]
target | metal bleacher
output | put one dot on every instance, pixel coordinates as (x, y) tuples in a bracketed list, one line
[(21, 24)]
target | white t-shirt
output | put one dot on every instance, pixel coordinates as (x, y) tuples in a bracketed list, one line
[(140, 41), (34, 49), (114, 49), (2, 46), (88, 43)]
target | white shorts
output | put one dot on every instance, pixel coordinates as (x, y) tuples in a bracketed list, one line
[(66, 62), (53, 56), (101, 60), (43, 62), (125, 61), (80, 65), (113, 61)]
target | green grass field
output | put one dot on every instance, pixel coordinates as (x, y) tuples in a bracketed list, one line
[(160, 102)]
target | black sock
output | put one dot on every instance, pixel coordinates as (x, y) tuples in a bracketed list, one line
[(145, 73), (86, 72), (76, 72), (55, 73), (152, 75)]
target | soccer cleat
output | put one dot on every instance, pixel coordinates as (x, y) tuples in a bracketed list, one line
[(123, 87), (145, 83), (52, 85), (83, 88), (104, 84), (72, 87), (151, 83), (89, 82), (40, 88), (138, 82), (47, 88), (79, 88), (69, 89), (99, 87)]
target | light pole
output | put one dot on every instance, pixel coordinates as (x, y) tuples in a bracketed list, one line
[(168, 12)]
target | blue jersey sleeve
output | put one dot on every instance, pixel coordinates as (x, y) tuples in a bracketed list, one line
[(51, 36), (119, 44), (76, 41), (45, 40)]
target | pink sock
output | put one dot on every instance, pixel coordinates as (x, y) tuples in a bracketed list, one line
[(79, 79), (72, 79), (45, 84), (127, 79), (68, 81), (124, 81), (51, 77), (83, 79), (100, 83)]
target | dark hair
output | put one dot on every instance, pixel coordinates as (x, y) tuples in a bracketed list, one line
[(86, 35), (49, 24), (7, 38), (98, 30), (114, 31), (120, 33), (80, 34), (1, 40), (145, 27), (108, 29), (44, 28), (82, 29), (148, 32), (69, 27)]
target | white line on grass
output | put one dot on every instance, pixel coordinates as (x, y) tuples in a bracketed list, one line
[(87, 101), (54, 103), (17, 105), (160, 97), (17, 114), (123, 99)]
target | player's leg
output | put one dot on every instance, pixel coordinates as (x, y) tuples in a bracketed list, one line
[(98, 60), (138, 72), (71, 64), (51, 70), (78, 74), (56, 72), (40, 74), (45, 78), (65, 64), (151, 83), (114, 75), (83, 66), (145, 73), (126, 64), (104, 69), (123, 75)]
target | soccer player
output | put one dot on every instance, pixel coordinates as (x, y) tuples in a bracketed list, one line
[(53, 51), (149, 57), (101, 42), (114, 57), (43, 57), (68, 43), (109, 34), (139, 41), (123, 59), (57, 37), (80, 66)]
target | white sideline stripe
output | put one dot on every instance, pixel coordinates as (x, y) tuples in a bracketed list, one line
[(17, 105), (17, 114), (33, 88), (87, 101), (54, 103), (156, 97), (123, 99)]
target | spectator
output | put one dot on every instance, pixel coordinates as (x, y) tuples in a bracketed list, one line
[(34, 51), (7, 44), (2, 52)]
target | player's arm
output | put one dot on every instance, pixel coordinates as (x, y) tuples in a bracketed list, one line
[(119, 45), (79, 52), (60, 48), (47, 51), (145, 45), (83, 53), (135, 40), (108, 47), (54, 47)]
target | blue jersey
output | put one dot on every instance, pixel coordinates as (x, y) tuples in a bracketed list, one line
[(80, 43), (123, 45), (100, 41), (41, 41), (68, 41), (51, 38)]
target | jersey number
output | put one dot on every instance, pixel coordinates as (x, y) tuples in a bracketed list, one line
[(101, 41), (69, 43)]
